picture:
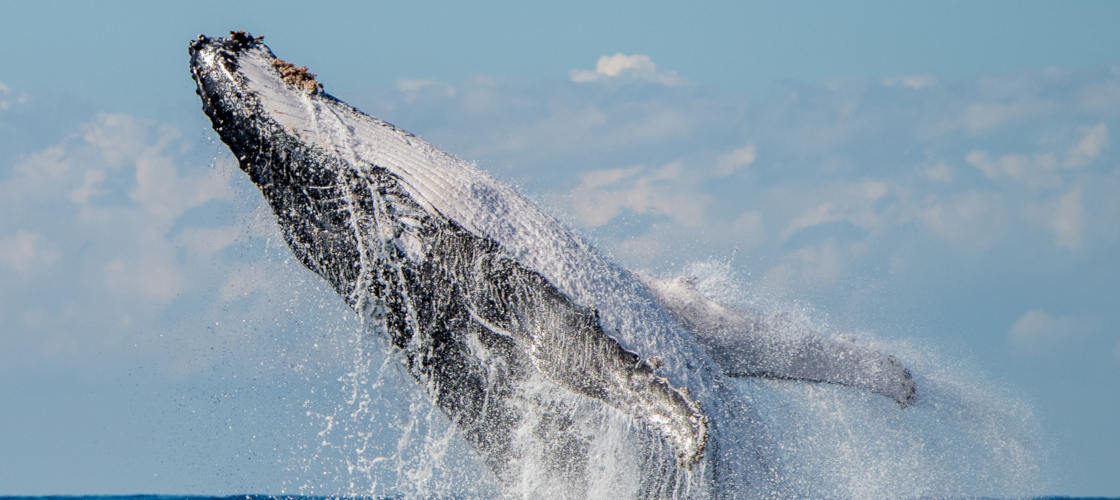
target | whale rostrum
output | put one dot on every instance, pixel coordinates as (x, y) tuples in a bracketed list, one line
[(550, 359)]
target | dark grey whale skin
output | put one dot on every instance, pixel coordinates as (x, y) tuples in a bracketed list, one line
[(462, 319)]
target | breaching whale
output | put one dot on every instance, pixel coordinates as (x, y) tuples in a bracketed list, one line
[(567, 373)]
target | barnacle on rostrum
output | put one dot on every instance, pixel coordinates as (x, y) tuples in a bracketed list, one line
[(297, 76)]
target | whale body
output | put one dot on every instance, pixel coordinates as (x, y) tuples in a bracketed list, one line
[(567, 373)]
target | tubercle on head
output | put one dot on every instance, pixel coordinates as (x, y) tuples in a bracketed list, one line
[(244, 38), (237, 40)]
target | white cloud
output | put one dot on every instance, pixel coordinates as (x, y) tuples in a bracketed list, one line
[(1036, 330), (1101, 97), (115, 209), (941, 172), (915, 82), (745, 231), (110, 196), (986, 116), (622, 67), (27, 252), (602, 178), (1042, 169), (121, 138), (731, 162), (656, 124), (118, 149), (561, 132), (820, 214), (1036, 170), (873, 190), (973, 219), (6, 98), (165, 194), (152, 276), (1068, 222), (748, 230), (812, 266), (91, 186), (209, 240), (605, 194), (39, 175), (1088, 148), (479, 95), (413, 88), (852, 202)]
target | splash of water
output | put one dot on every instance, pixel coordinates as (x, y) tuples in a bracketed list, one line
[(965, 436), (400, 229), (378, 433)]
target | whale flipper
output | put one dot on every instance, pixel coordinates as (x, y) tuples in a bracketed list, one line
[(748, 345), (509, 299)]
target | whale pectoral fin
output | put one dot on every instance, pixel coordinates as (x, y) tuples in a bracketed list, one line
[(568, 345), (812, 358), (747, 345)]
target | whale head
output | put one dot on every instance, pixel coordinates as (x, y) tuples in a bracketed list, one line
[(336, 178), (245, 89)]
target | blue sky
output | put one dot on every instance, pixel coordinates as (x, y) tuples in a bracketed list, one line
[(942, 175)]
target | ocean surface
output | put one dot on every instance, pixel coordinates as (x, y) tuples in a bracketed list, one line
[(298, 497)]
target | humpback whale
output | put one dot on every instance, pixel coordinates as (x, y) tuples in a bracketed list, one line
[(564, 371)]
